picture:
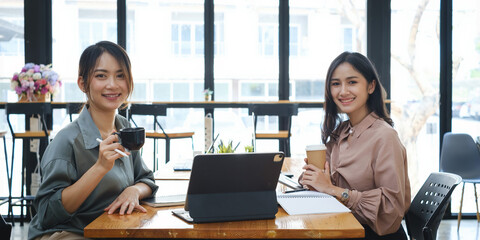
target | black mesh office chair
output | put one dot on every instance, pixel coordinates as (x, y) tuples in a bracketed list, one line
[(158, 132), (41, 109), (284, 111), (429, 205)]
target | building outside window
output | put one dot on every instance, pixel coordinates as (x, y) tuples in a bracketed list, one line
[(187, 34), (266, 40), (218, 41)]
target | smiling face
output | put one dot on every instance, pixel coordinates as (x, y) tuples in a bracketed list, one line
[(108, 86), (350, 92)]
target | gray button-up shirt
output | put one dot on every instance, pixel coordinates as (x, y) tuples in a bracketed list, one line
[(72, 152)]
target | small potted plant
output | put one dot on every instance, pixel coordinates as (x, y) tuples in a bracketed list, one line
[(249, 148), (208, 94), (226, 148)]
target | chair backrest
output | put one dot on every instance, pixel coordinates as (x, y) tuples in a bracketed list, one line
[(280, 109), (429, 205), (460, 155), (40, 108), (154, 110), (74, 108), (5, 228)]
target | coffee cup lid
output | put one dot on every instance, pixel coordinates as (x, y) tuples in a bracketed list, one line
[(315, 147)]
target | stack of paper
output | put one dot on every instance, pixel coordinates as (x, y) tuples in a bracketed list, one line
[(162, 201), (309, 202)]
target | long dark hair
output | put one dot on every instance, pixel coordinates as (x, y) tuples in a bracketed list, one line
[(375, 102), (89, 60)]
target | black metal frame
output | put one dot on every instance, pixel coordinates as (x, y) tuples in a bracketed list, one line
[(38, 45), (154, 110), (281, 110), (26, 109)]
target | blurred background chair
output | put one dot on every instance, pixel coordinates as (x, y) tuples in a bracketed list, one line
[(429, 205), (42, 109), (6, 199), (5, 228), (460, 155), (284, 111), (74, 108), (159, 132)]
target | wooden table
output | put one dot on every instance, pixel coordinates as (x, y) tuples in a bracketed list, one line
[(160, 222)]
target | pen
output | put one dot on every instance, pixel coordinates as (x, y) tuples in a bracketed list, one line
[(299, 190), (116, 150)]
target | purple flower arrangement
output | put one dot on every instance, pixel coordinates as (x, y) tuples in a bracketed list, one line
[(35, 79)]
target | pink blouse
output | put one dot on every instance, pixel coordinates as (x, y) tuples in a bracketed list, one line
[(370, 160)]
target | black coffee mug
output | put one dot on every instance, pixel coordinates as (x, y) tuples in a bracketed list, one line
[(132, 138)]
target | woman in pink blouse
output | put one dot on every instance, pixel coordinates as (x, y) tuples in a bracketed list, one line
[(366, 166)]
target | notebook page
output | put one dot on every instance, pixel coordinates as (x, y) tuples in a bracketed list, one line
[(309, 202)]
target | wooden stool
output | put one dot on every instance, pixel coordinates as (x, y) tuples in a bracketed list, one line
[(284, 112), (156, 110)]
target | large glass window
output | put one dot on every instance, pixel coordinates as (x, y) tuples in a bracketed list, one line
[(319, 31), (414, 84), (250, 43), (12, 47), (12, 59), (247, 68), (88, 23), (465, 87), (167, 53)]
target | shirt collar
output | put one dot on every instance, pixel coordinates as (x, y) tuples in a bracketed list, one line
[(89, 130), (357, 130)]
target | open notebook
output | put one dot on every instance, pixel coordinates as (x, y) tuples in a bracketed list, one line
[(309, 202)]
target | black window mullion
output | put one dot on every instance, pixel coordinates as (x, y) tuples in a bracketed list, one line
[(38, 31), (209, 25), (122, 23), (209, 18), (445, 67), (378, 39), (446, 9), (283, 62), (283, 50)]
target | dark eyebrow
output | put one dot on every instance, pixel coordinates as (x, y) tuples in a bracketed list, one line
[(103, 70), (348, 78)]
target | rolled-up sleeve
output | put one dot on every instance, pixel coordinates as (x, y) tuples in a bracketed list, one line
[(57, 175), (384, 206)]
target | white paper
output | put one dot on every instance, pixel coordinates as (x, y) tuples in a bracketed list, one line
[(309, 202)]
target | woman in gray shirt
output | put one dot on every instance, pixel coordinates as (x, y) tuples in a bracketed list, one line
[(81, 177)]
